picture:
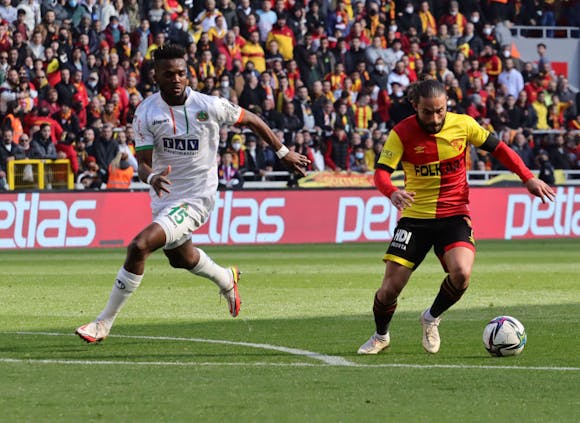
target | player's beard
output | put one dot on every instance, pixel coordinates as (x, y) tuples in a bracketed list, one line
[(430, 128)]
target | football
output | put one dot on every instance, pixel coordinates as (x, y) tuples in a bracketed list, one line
[(504, 336)]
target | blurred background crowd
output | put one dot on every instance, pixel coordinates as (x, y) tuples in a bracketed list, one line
[(328, 76)]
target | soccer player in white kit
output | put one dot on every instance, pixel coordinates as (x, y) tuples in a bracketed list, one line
[(177, 137)]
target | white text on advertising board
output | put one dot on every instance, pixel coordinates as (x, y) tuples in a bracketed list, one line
[(526, 216), (374, 219), (250, 216), (31, 222)]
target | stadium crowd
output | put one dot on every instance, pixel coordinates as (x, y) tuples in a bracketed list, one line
[(328, 76)]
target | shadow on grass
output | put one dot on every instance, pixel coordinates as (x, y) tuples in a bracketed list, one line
[(551, 339)]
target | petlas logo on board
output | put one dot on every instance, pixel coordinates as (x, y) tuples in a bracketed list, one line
[(527, 217), (29, 221)]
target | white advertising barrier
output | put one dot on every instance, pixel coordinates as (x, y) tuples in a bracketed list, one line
[(105, 219)]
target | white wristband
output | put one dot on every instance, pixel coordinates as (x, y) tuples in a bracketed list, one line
[(150, 177), (282, 152)]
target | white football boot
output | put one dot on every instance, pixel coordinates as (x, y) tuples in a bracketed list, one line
[(232, 295), (375, 344), (94, 332), (431, 339)]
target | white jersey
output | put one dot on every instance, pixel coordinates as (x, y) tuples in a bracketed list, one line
[(185, 137)]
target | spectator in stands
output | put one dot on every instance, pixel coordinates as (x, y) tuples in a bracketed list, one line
[(13, 120), (559, 155), (253, 94), (237, 150), (511, 78), (254, 159), (470, 44), (284, 36), (65, 88), (546, 169), (541, 110), (229, 177), (490, 61), (290, 121), (380, 77), (522, 148), (337, 152), (9, 150), (90, 177), (357, 160), (67, 119), (393, 54), (120, 172), (399, 76), (301, 147), (65, 39), (375, 51), (65, 149), (566, 96), (354, 55), (9, 90), (104, 149), (312, 71), (42, 146), (253, 51)]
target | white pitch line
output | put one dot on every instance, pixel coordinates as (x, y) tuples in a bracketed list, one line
[(266, 364), (156, 363), (328, 360)]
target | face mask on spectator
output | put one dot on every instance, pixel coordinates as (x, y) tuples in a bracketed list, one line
[(475, 19), (506, 53), (380, 68), (359, 155), (393, 28), (178, 25), (236, 146), (409, 9), (225, 84), (487, 31)]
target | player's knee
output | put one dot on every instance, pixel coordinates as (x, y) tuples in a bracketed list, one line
[(388, 294), (138, 247), (460, 277)]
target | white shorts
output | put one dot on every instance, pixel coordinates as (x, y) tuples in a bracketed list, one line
[(178, 223)]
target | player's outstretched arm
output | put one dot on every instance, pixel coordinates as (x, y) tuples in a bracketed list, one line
[(513, 162), (291, 159), (157, 180), (540, 189)]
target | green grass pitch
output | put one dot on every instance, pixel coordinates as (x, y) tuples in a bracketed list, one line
[(175, 355)]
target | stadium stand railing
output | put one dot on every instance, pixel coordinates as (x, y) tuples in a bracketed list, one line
[(39, 174)]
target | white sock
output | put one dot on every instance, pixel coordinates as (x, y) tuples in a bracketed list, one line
[(123, 287), (207, 268), (381, 337), (427, 315)]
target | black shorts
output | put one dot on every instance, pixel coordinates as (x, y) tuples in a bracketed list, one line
[(414, 238)]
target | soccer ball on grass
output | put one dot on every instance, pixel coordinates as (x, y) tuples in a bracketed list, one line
[(504, 336)]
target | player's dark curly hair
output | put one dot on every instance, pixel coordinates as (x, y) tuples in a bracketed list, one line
[(168, 52), (427, 88)]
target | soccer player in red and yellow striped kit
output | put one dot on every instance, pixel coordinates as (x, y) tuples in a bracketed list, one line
[(431, 145)]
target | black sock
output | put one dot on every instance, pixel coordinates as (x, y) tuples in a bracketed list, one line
[(383, 315), (447, 296)]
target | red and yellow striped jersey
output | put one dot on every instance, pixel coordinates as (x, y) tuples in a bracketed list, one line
[(434, 164)]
